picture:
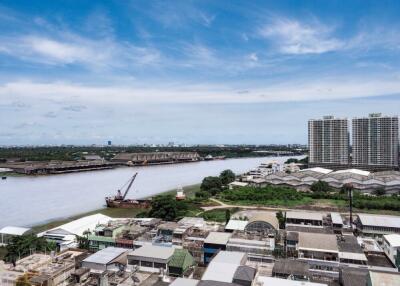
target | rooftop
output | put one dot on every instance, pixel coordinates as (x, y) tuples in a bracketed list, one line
[(291, 266), (223, 266), (304, 215), (380, 220), (218, 238), (318, 242), (184, 282), (106, 255), (384, 279), (235, 224), (154, 251), (14, 230), (271, 281), (393, 239)]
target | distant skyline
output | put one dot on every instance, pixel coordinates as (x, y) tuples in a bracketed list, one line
[(194, 72)]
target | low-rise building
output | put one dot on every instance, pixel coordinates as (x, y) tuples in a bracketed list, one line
[(376, 278), (272, 281), (106, 259), (151, 258), (377, 225), (391, 246), (304, 218), (291, 269), (215, 242)]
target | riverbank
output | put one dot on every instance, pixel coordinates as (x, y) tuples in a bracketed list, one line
[(111, 212)]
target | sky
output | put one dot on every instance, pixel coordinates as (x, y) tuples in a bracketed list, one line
[(194, 72)]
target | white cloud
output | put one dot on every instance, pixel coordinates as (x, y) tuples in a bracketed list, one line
[(322, 89), (68, 48), (294, 37)]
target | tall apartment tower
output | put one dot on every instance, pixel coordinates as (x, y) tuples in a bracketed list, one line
[(328, 141), (376, 141)]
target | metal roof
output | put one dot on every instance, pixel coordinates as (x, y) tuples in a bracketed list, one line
[(79, 226), (218, 238), (153, 251), (223, 266), (304, 215), (105, 255), (184, 282), (14, 230), (393, 239), (271, 281), (235, 224), (244, 273), (318, 170), (336, 218), (353, 171), (379, 220)]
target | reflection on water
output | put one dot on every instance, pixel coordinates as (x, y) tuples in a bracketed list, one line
[(26, 201)]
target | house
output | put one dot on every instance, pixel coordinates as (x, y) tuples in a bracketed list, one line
[(214, 242), (236, 224), (391, 247), (151, 258), (290, 268), (106, 259), (223, 266), (304, 218), (180, 262), (377, 225), (65, 235)]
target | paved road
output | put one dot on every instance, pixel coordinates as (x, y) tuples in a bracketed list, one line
[(223, 205)]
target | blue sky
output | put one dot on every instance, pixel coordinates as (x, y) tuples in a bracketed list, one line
[(82, 72)]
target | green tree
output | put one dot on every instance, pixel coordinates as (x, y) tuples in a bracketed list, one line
[(227, 176), (164, 207), (320, 187), (227, 215), (210, 183), (281, 219), (202, 195), (24, 245)]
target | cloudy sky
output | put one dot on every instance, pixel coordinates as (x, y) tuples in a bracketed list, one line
[(82, 72)]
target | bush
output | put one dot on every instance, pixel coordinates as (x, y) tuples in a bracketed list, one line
[(320, 187), (211, 183)]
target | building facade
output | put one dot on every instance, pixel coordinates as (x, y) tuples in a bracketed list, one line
[(376, 141), (328, 141)]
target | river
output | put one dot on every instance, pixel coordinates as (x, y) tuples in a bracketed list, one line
[(27, 201)]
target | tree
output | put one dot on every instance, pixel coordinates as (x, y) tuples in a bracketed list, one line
[(227, 215), (291, 160), (210, 183), (227, 176), (320, 187), (24, 245), (281, 219), (164, 207), (379, 192), (202, 195)]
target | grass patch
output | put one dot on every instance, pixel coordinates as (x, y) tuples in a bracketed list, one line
[(217, 215)]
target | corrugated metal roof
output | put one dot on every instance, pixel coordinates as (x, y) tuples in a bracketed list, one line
[(235, 224), (223, 266), (218, 238), (380, 220), (271, 281), (105, 255), (336, 218), (184, 282), (14, 230), (393, 239), (304, 215), (153, 251)]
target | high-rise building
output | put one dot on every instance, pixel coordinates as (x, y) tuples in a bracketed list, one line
[(328, 141), (376, 141)]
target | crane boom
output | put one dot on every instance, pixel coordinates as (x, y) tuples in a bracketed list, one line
[(129, 186)]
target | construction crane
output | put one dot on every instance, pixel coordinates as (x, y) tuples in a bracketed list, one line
[(120, 200)]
